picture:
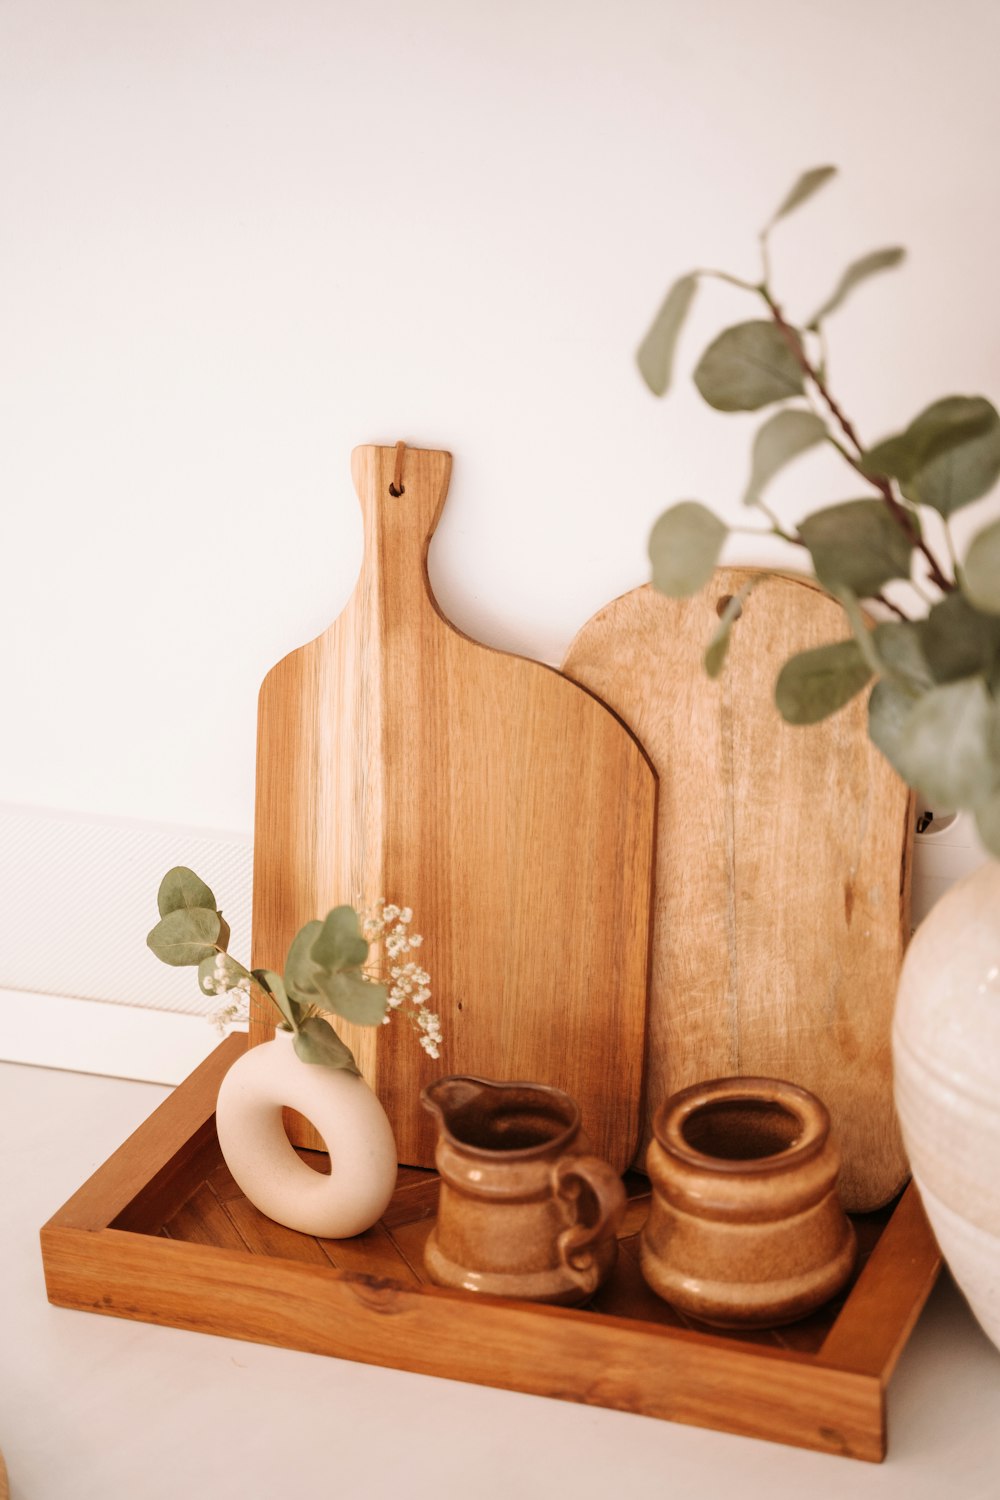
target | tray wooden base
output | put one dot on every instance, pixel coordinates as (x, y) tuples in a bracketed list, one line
[(161, 1233)]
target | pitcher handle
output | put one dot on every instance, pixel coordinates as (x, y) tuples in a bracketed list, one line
[(577, 1244)]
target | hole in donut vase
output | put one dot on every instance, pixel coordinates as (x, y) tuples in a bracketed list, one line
[(347, 1116)]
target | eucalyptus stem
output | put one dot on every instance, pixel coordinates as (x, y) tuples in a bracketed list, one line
[(716, 275), (776, 527), (235, 962), (249, 975), (883, 599), (881, 482), (765, 257), (246, 973)]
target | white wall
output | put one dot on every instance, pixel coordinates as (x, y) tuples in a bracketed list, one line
[(241, 236)]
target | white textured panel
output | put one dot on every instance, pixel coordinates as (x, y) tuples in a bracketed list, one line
[(78, 895), (86, 1036)]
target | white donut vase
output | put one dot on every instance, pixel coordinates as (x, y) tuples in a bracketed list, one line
[(346, 1114)]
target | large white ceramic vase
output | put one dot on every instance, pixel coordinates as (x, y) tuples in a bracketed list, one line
[(349, 1118), (946, 1049)]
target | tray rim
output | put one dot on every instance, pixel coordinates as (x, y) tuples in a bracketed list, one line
[(699, 1377)]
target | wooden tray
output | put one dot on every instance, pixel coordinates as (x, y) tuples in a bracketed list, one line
[(161, 1233)]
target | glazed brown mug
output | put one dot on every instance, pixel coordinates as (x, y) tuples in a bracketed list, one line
[(745, 1228), (524, 1211)]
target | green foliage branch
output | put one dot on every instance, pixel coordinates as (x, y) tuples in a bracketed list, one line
[(933, 709), (324, 974)]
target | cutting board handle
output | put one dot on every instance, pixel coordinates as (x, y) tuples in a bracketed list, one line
[(399, 527)]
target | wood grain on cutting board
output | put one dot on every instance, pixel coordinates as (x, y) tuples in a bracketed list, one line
[(782, 884), (511, 810)]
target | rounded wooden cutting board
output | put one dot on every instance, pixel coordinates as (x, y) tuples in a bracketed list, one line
[(783, 859), (397, 758)]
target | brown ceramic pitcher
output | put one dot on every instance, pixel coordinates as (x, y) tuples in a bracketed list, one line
[(524, 1211), (745, 1228)]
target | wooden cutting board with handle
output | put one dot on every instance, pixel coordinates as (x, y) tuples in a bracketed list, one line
[(511, 810), (782, 881)]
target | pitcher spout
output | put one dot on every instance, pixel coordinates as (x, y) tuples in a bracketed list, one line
[(478, 1114), (447, 1097)]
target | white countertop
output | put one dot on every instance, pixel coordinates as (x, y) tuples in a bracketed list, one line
[(95, 1408)]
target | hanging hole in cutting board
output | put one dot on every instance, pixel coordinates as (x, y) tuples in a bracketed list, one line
[(397, 487), (723, 603)]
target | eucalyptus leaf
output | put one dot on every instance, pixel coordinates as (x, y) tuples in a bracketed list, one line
[(781, 438), (815, 684), (981, 572), (180, 888), (748, 366), (317, 1042), (300, 969), (948, 744), (802, 189), (339, 944), (350, 996), (858, 621), (988, 823), (857, 545), (232, 973), (857, 272), (889, 459), (889, 706), (186, 936), (963, 462), (900, 653), (947, 457), (958, 640), (656, 352), (272, 984), (206, 973), (684, 547)]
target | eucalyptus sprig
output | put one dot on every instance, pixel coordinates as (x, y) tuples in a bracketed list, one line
[(324, 974), (933, 710)]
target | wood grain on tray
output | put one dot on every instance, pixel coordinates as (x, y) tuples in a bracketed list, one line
[(160, 1233)]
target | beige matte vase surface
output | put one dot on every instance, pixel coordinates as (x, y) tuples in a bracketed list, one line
[(347, 1116), (745, 1227), (523, 1211), (946, 1050)]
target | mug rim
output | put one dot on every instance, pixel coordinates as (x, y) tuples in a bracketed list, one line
[(811, 1113)]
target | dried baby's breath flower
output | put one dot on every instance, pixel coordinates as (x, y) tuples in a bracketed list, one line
[(408, 987), (235, 1012)]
